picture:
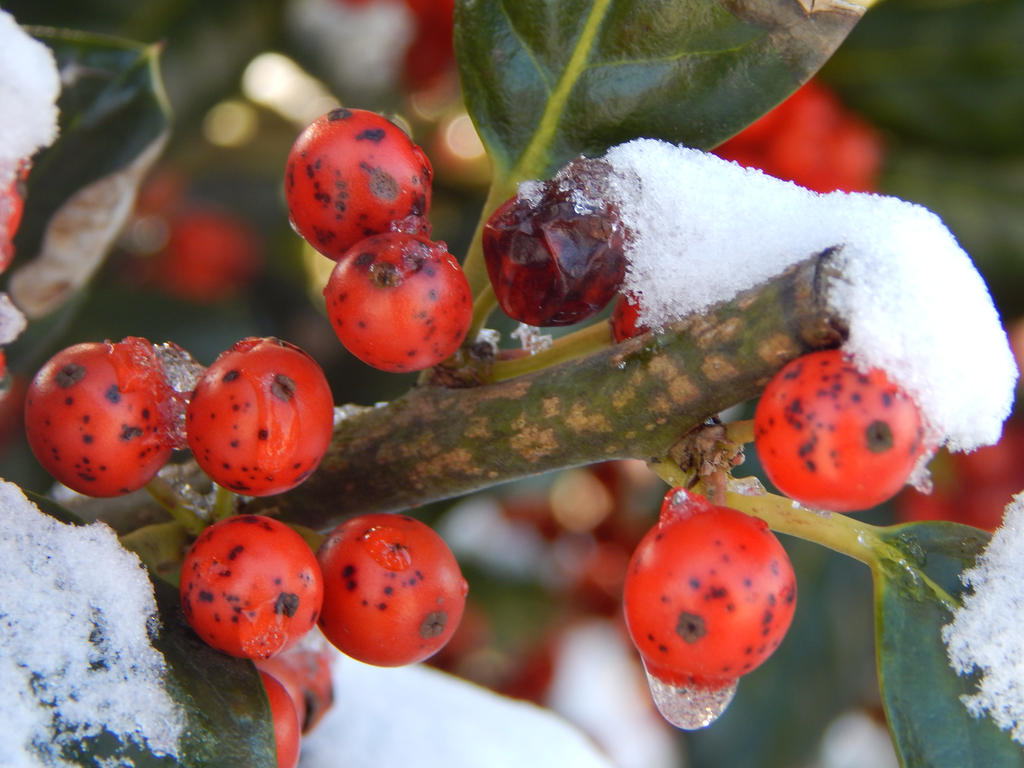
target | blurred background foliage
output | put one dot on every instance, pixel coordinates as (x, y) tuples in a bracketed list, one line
[(925, 101)]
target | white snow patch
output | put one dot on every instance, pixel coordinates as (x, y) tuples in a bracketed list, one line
[(419, 716), (985, 635), (704, 229), (74, 643), (598, 683), (29, 86)]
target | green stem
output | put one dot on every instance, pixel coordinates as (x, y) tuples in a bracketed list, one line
[(223, 504), (838, 532), (576, 344), (184, 514), (484, 303)]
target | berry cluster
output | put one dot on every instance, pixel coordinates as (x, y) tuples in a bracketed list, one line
[(103, 418), (384, 589), (358, 190)]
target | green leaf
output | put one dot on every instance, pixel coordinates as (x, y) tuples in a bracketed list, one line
[(228, 720), (914, 586), (949, 74), (546, 80)]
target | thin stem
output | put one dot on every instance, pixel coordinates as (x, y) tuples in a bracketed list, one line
[(740, 432), (183, 513), (484, 303), (223, 503), (576, 344)]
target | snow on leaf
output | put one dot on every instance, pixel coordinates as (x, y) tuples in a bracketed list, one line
[(75, 654), (985, 635), (29, 86)]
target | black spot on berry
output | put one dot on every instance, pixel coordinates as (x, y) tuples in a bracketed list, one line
[(690, 627), (204, 596), (339, 114), (231, 375), (433, 624), (69, 374), (376, 135), (287, 603), (129, 432), (235, 551), (113, 394), (878, 436)]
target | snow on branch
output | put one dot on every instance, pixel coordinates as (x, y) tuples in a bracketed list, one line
[(703, 229)]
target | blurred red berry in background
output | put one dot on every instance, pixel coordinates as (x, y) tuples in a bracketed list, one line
[(812, 139)]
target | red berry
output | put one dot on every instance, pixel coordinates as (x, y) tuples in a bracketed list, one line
[(12, 205), (250, 586), (393, 591), (709, 593), (431, 53), (306, 674), (286, 721), (352, 174), (812, 139), (833, 437), (555, 254), (624, 319), (261, 417), (210, 255), (399, 302), (98, 416)]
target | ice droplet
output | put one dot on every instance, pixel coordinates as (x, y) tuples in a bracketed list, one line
[(690, 707)]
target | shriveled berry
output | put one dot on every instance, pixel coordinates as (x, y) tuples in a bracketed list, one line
[(393, 591), (834, 437), (287, 735), (709, 593), (99, 416), (399, 302), (250, 586), (261, 417), (554, 252), (350, 174)]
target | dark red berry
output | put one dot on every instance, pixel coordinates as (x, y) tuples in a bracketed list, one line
[(554, 252)]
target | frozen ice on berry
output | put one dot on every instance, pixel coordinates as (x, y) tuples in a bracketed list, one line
[(29, 86), (985, 634), (703, 229), (75, 647)]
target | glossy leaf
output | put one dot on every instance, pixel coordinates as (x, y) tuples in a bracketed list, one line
[(113, 120), (546, 80), (228, 716), (920, 691)]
